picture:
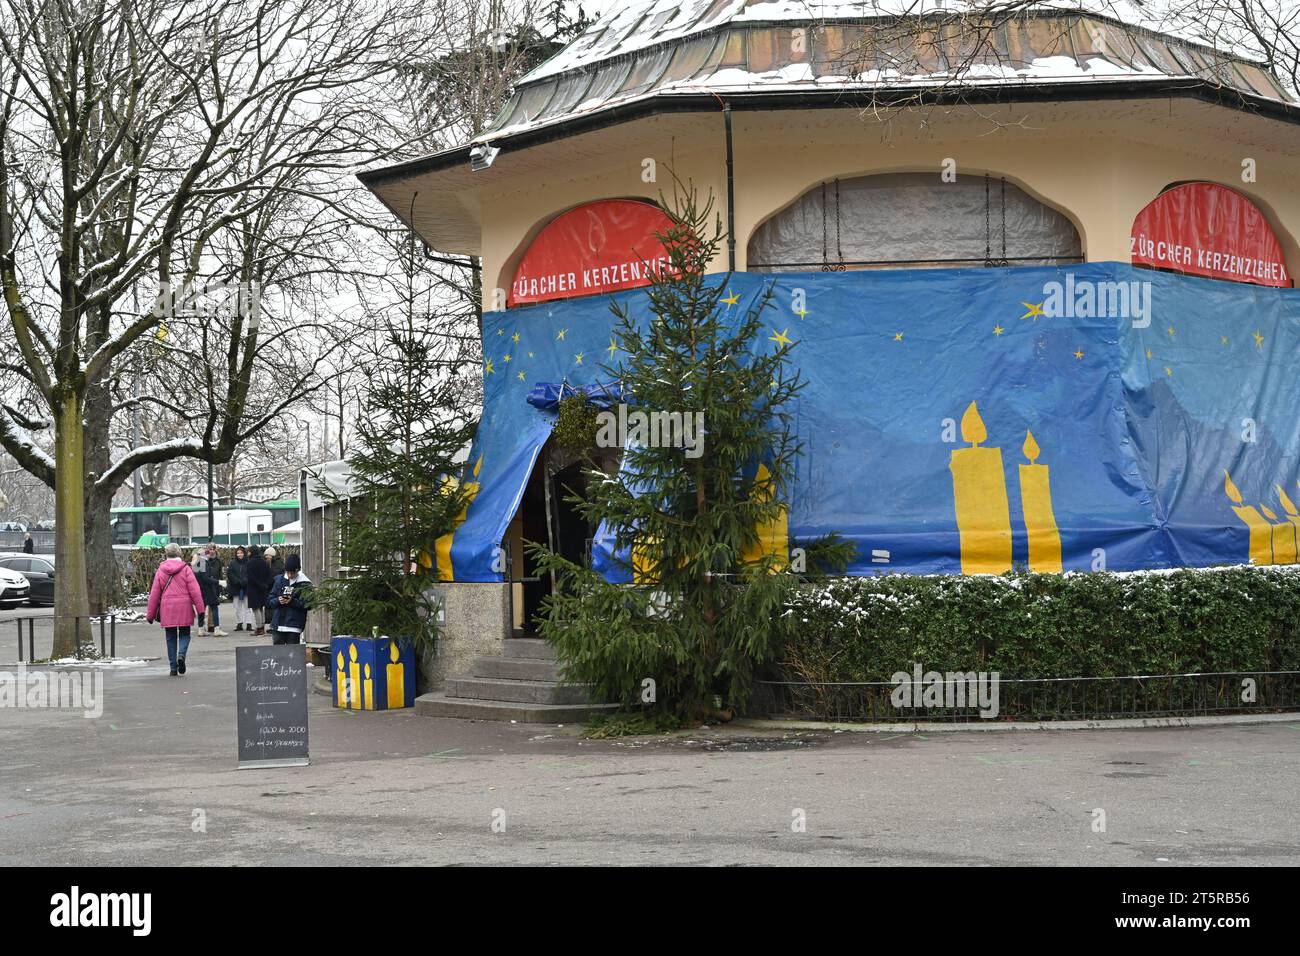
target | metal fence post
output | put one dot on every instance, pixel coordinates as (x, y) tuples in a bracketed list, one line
[(101, 635), (31, 638), (20, 640), (112, 634), (76, 630)]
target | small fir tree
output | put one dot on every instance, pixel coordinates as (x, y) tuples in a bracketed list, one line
[(702, 614), (403, 494)]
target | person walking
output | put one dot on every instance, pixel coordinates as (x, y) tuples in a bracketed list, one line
[(259, 580), (290, 598), (29, 547), (208, 573), (237, 587), (174, 601)]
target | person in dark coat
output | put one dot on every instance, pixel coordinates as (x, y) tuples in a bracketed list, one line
[(237, 588), (208, 571), (258, 588), (290, 598), (275, 561), (28, 546)]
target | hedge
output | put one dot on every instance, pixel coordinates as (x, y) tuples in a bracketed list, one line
[(139, 565), (1095, 624)]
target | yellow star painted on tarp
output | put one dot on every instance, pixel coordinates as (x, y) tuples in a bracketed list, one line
[(487, 369), (1148, 353), (1035, 310), (501, 331), (1168, 370), (731, 299), (578, 358), (1078, 353), (803, 314), (559, 336), (530, 354), (515, 338), (521, 376), (613, 347), (898, 336), (1170, 330), (1223, 339), (1259, 340), (998, 330), (781, 338), (507, 358)]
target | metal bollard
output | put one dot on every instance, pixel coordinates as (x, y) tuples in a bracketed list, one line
[(20, 640), (31, 638), (76, 630), (112, 634), (101, 635)]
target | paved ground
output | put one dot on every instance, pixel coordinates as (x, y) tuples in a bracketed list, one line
[(395, 788)]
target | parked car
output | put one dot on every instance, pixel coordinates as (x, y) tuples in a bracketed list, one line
[(14, 589), (37, 570)]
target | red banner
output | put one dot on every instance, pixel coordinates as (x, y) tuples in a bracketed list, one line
[(1208, 230), (599, 247)]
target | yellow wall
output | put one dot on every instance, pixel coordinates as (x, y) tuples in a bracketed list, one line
[(1099, 163)]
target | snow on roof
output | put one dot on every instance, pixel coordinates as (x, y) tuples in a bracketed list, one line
[(639, 24), (655, 48)]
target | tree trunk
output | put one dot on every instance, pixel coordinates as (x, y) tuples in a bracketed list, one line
[(71, 608), (104, 583)]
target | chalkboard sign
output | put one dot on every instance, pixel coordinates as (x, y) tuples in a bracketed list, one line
[(271, 697)]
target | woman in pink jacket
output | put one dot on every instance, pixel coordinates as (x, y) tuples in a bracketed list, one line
[(174, 602)]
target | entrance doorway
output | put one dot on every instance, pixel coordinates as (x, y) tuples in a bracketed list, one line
[(547, 515)]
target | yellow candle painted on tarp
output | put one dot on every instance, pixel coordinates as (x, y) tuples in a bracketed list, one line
[(1292, 517), (773, 535), (368, 691), (1261, 532), (979, 492), (442, 547), (340, 683), (354, 671), (1036, 503), (396, 675), (1283, 537)]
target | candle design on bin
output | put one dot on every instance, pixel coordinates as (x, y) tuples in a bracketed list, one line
[(396, 677), (774, 534), (1293, 519), (340, 682), (1036, 502), (1261, 532), (354, 673), (1283, 537), (368, 691), (979, 493)]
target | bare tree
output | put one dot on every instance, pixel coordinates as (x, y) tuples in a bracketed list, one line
[(169, 147)]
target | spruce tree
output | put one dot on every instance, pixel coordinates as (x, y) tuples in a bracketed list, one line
[(702, 614), (404, 493)]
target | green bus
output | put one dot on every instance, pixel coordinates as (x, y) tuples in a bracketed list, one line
[(272, 522)]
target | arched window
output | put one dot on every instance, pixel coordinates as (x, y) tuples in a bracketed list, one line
[(912, 220)]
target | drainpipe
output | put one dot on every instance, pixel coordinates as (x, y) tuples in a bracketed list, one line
[(731, 186), (731, 193)]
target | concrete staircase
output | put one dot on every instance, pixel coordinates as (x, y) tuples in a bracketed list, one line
[(522, 685)]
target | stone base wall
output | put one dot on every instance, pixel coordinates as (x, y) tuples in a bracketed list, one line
[(476, 621)]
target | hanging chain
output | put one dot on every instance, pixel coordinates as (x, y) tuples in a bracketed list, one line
[(839, 248), (1004, 261), (825, 264)]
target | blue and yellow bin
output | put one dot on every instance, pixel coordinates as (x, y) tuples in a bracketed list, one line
[(372, 673)]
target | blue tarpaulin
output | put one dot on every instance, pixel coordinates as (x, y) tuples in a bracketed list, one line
[(967, 419)]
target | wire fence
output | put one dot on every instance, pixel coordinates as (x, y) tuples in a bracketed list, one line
[(1070, 698)]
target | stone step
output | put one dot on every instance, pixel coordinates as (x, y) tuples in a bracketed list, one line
[(440, 705), (531, 647), (514, 668), (520, 691)]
